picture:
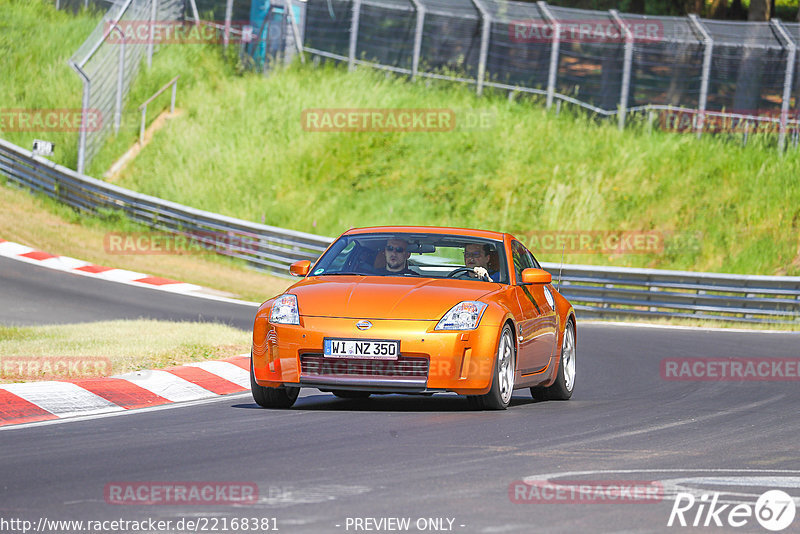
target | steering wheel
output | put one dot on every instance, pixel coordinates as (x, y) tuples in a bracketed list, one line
[(458, 273)]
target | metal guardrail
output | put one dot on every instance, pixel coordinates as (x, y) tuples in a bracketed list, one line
[(607, 292), (265, 247), (595, 291)]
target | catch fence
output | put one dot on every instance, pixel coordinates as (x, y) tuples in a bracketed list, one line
[(693, 75), (107, 63)]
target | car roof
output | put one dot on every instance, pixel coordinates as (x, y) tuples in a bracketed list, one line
[(429, 229)]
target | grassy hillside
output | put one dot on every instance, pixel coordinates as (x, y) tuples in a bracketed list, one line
[(239, 149), (36, 41)]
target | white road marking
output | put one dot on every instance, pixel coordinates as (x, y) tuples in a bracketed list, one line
[(228, 371), (63, 399), (167, 385)]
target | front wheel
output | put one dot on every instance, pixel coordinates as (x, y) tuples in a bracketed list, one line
[(499, 395), (562, 388), (266, 397)]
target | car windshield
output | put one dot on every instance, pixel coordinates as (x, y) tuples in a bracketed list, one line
[(415, 254)]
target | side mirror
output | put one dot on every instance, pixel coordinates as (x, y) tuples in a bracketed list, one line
[(300, 268), (536, 276)]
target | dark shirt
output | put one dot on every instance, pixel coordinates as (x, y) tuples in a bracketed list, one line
[(401, 272)]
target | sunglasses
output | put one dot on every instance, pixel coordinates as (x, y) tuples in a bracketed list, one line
[(390, 248), (473, 254)]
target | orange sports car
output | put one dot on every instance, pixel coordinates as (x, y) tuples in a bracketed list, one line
[(416, 310)]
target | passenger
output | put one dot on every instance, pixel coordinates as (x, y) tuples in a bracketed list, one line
[(396, 253), (477, 255)]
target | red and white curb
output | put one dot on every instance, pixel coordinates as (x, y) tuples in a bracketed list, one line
[(30, 402), (27, 254)]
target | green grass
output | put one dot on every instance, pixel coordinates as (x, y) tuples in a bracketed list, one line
[(36, 41), (128, 345), (240, 150)]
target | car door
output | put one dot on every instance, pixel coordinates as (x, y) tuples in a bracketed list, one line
[(537, 326)]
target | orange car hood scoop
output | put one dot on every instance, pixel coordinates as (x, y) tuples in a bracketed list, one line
[(383, 297)]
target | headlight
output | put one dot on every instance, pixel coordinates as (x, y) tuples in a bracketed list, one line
[(462, 316), (284, 310)]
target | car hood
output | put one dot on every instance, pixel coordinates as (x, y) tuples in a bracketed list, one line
[(379, 297)]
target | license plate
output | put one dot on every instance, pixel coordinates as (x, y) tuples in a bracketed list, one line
[(367, 349)]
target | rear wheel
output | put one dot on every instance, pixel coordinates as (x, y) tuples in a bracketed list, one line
[(499, 395), (345, 394), (562, 388), (266, 397)]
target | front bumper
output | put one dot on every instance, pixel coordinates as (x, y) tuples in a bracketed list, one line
[(458, 361)]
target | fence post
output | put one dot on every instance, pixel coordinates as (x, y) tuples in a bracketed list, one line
[(141, 125), (708, 50), (196, 16), (354, 34), (120, 81), (417, 37), (87, 85), (298, 41), (486, 20), (791, 46), (626, 68), (228, 14), (153, 10), (554, 50)]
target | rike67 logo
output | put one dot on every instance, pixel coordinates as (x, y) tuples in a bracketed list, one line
[(774, 510)]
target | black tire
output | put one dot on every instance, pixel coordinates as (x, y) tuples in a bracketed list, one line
[(266, 397), (346, 394), (564, 385), (499, 395)]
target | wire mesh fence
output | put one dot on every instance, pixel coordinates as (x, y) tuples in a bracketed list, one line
[(696, 75), (108, 61)]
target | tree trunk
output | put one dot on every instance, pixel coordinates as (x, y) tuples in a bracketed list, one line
[(747, 97), (718, 9), (759, 10), (737, 11), (696, 7), (676, 92)]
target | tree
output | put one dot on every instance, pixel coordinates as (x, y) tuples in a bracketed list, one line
[(759, 10)]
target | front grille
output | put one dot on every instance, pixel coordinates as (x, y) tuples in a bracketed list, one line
[(318, 365)]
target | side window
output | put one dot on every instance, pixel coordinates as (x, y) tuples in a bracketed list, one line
[(521, 257), (533, 260)]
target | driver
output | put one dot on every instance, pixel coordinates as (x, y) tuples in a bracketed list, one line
[(397, 253), (477, 255)]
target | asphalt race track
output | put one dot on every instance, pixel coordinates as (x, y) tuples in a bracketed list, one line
[(331, 465), (30, 295)]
